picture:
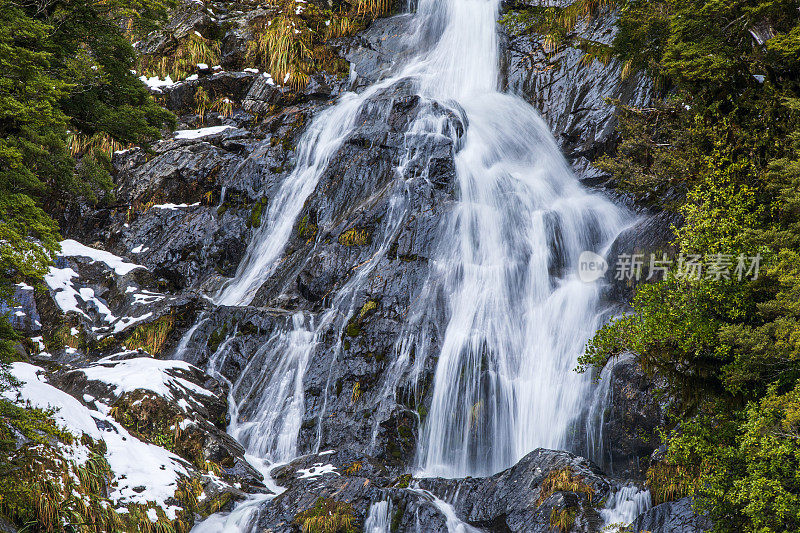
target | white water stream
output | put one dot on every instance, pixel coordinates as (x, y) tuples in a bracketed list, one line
[(502, 291)]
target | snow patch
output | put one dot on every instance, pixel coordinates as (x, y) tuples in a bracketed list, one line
[(174, 206), (156, 84), (316, 471), (144, 373), (70, 248), (135, 464), (202, 132)]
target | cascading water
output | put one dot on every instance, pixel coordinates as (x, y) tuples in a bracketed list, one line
[(517, 314), (510, 314)]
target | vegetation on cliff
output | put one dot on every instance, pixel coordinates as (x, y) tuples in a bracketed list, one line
[(68, 98), (721, 148)]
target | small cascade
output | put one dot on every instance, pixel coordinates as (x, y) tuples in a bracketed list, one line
[(183, 344), (267, 399), (454, 524), (379, 518), (244, 516), (596, 418), (623, 506)]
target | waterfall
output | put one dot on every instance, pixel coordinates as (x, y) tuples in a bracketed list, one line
[(379, 518), (502, 292), (517, 314), (623, 506)]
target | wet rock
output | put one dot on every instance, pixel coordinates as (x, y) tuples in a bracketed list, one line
[(182, 97), (375, 52), (645, 241), (23, 314), (633, 410), (672, 517), (523, 498)]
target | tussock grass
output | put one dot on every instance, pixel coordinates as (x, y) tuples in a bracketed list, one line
[(153, 336), (182, 59), (290, 42), (327, 516), (563, 480)]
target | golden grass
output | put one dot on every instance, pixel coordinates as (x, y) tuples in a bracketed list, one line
[(327, 516), (153, 336), (354, 237), (291, 44), (563, 480), (80, 144), (562, 519), (181, 61)]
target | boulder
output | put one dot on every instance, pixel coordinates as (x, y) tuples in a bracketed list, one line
[(672, 517)]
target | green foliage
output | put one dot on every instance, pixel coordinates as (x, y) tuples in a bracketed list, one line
[(742, 468), (67, 99), (722, 151)]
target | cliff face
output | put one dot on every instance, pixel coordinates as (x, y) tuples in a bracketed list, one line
[(576, 98), (186, 212)]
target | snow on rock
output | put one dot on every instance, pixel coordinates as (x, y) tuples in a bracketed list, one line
[(127, 321), (175, 206), (67, 297), (70, 248), (22, 311), (145, 373), (156, 84), (202, 132), (60, 282), (317, 470), (142, 472)]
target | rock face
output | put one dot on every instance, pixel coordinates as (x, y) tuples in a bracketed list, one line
[(672, 517), (523, 498), (624, 418), (542, 485), (570, 94), (339, 296)]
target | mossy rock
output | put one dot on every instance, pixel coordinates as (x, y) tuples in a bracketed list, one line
[(255, 214), (328, 516), (355, 237), (306, 229), (216, 338), (355, 324)]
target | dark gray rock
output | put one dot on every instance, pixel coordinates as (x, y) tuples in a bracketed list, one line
[(378, 50), (509, 501), (629, 409), (512, 500), (648, 238), (672, 517), (23, 314), (182, 97)]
